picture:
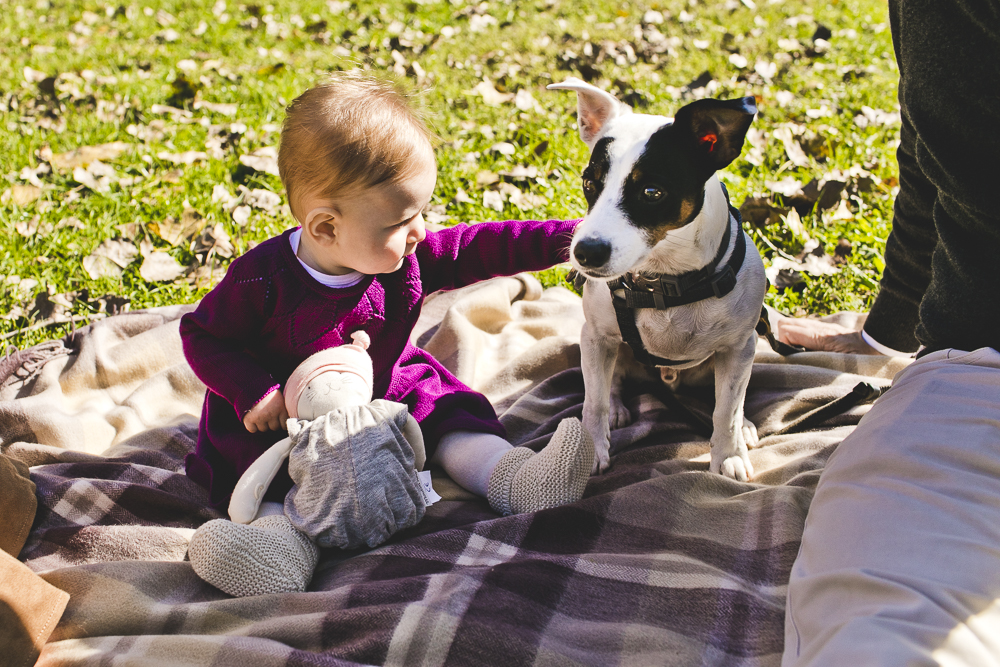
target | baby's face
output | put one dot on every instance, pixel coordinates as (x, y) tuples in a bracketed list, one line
[(332, 390), (370, 232)]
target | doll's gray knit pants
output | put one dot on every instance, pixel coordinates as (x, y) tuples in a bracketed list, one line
[(354, 474)]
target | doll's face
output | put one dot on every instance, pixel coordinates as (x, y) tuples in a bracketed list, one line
[(330, 391)]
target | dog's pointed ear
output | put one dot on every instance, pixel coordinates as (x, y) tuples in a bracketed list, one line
[(594, 107), (717, 129)]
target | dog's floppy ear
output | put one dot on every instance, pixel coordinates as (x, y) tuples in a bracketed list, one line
[(717, 129), (594, 107)]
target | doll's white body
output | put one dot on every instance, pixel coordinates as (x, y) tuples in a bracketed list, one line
[(331, 390)]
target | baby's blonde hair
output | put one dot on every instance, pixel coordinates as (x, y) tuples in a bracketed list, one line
[(350, 133)]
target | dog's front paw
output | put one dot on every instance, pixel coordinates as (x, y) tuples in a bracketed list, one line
[(731, 458), (737, 467), (750, 434)]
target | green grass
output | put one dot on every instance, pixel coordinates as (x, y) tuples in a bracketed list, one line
[(114, 63)]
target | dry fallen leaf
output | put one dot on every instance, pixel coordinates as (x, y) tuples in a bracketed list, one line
[(782, 272), (435, 215), (118, 251), (171, 111), (525, 101), (206, 276), (222, 109), (263, 160), (794, 223), (129, 230), (792, 148), (760, 211), (34, 76), (152, 133), (84, 155), (520, 172), (758, 145), (109, 258), (97, 176), (842, 212), (491, 96), (265, 200), (843, 250), (786, 187), (160, 267), (493, 199), (71, 222), (187, 157), (22, 195), (485, 177), (214, 241), (174, 232), (27, 227), (21, 288), (241, 215), (525, 201), (220, 193), (504, 148)]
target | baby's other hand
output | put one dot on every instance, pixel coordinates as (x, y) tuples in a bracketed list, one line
[(268, 415)]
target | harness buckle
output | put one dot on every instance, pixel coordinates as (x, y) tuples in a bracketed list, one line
[(724, 283), (670, 286)]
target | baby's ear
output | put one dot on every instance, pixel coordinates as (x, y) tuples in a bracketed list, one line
[(320, 224)]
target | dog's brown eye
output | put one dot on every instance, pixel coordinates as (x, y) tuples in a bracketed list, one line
[(652, 193), (589, 187)]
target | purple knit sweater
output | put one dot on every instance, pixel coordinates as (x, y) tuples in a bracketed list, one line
[(267, 315)]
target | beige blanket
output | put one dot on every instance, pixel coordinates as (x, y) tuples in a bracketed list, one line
[(660, 563)]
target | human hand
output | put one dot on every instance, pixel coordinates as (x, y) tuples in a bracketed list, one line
[(268, 415), (822, 336)]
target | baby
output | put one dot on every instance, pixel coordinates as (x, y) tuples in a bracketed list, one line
[(358, 170)]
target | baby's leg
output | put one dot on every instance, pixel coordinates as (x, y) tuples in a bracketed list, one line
[(516, 479), (469, 458)]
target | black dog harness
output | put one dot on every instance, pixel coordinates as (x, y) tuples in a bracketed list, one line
[(663, 291)]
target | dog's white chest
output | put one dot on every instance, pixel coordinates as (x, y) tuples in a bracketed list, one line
[(679, 333)]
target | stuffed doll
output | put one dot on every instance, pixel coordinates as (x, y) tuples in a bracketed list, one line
[(354, 462)]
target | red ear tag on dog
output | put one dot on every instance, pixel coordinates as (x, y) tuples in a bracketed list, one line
[(709, 139)]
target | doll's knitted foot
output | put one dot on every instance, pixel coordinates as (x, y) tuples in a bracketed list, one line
[(524, 481), (267, 556)]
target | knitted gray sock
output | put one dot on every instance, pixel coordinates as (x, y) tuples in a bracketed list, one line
[(267, 556), (524, 481)]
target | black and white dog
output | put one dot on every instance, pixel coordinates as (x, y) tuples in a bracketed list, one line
[(669, 269)]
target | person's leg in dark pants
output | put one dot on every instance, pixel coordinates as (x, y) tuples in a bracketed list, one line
[(899, 558)]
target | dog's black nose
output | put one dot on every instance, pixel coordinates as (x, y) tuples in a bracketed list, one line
[(592, 252)]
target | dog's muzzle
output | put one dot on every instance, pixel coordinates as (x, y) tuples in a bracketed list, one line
[(592, 253)]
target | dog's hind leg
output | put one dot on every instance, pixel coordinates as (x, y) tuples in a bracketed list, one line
[(730, 434), (598, 354)]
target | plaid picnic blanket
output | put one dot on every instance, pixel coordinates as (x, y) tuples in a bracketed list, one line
[(660, 563)]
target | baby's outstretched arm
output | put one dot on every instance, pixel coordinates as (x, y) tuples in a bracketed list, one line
[(462, 255), (268, 415)]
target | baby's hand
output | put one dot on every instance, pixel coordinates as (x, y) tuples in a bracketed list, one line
[(268, 415)]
